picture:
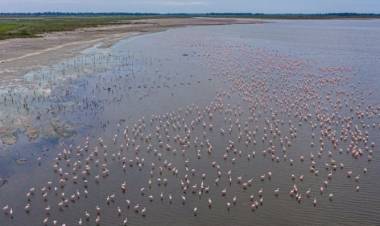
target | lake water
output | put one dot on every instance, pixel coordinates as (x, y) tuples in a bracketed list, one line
[(250, 109)]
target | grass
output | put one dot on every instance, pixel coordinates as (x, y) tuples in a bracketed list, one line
[(20, 27), (33, 25)]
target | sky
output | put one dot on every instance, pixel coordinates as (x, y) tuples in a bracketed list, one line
[(191, 6)]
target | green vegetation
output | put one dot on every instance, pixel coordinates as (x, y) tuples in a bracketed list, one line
[(24, 27)]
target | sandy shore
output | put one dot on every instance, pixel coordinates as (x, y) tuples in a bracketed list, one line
[(18, 56)]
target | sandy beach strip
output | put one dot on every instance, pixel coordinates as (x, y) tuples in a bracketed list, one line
[(21, 55)]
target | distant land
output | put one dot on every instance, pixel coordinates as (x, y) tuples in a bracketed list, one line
[(250, 15), (28, 25)]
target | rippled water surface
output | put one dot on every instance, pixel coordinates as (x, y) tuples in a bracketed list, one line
[(256, 119)]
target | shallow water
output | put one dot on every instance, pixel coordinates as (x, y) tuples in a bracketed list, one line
[(270, 83)]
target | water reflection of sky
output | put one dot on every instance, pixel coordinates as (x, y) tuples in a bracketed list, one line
[(103, 90)]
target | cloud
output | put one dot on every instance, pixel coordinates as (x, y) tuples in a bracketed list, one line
[(175, 3), (189, 6)]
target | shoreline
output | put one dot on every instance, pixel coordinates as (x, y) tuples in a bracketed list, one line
[(21, 55)]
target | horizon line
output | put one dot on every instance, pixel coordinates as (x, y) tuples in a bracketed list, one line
[(188, 13)]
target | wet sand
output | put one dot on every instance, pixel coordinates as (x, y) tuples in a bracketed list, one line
[(18, 56)]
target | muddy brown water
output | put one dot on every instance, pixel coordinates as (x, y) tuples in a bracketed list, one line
[(262, 75)]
